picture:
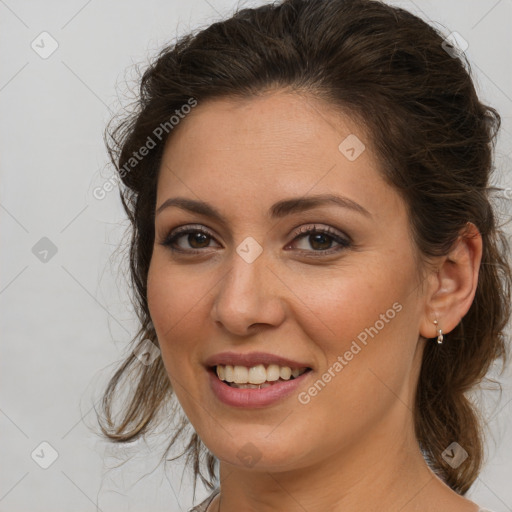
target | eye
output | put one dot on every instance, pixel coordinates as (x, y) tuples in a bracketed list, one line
[(321, 239), (198, 239)]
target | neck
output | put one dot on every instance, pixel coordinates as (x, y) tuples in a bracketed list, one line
[(384, 471)]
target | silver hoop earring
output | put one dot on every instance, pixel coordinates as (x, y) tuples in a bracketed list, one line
[(440, 336)]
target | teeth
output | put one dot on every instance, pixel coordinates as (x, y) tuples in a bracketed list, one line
[(256, 375), (229, 373), (241, 375), (285, 372), (273, 372), (251, 386)]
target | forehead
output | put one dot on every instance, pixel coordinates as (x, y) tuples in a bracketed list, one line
[(272, 146), (267, 125)]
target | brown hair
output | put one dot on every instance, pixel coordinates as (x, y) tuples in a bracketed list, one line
[(435, 141)]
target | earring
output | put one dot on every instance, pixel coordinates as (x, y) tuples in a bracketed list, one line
[(440, 336)]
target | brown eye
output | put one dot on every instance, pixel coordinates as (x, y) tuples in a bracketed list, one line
[(195, 238), (321, 240)]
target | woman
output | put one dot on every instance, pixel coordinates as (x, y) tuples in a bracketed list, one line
[(318, 269)]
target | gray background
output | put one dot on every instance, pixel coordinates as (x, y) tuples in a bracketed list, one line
[(67, 320)]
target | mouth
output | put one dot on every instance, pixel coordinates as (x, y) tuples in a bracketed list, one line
[(259, 376)]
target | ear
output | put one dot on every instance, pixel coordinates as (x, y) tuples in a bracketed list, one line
[(452, 289)]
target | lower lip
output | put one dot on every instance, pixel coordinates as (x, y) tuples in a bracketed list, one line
[(238, 397)]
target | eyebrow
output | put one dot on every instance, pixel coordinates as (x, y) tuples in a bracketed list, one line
[(276, 211)]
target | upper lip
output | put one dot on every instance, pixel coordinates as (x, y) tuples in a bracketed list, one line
[(252, 359)]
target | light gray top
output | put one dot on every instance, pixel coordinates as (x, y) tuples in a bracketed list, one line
[(204, 504)]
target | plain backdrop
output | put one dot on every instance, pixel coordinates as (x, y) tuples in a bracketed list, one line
[(65, 311)]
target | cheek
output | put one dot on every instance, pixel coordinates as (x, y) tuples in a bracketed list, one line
[(363, 324), (173, 291), (173, 301), (340, 309)]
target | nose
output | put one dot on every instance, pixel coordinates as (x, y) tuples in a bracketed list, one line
[(249, 296)]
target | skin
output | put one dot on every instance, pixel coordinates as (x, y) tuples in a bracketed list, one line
[(352, 447)]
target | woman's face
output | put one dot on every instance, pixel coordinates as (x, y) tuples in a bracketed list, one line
[(346, 304)]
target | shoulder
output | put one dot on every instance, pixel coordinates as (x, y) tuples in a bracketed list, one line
[(204, 504)]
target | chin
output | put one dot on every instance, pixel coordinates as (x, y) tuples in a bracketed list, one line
[(256, 451)]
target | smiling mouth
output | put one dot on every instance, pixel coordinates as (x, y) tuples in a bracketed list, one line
[(256, 377)]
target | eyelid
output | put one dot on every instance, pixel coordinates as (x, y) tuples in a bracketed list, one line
[(315, 227), (186, 229), (307, 228), (343, 240)]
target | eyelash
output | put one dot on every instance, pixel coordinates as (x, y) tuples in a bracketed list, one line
[(173, 236)]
